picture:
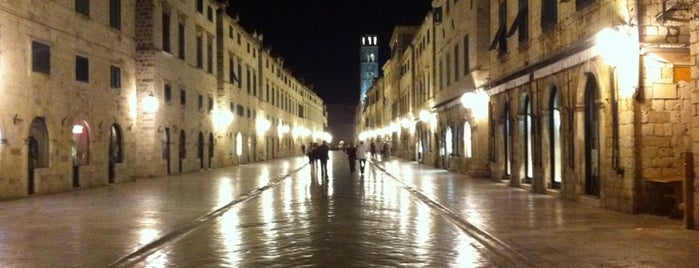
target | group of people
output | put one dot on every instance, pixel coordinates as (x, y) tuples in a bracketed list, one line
[(360, 153), (354, 153), (318, 153)]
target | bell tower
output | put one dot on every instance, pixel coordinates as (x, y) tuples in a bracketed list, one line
[(369, 64)]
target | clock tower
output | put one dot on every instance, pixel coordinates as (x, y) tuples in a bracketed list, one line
[(369, 64)]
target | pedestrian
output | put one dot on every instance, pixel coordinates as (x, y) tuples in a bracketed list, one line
[(362, 151), (303, 148), (385, 150), (372, 149), (322, 155), (311, 155), (351, 152)]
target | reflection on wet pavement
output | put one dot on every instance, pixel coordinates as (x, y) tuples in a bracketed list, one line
[(345, 220)]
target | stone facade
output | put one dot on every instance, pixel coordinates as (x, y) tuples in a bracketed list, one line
[(590, 100), (79, 83)]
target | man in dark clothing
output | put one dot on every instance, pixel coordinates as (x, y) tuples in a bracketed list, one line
[(322, 154), (351, 156), (372, 150)]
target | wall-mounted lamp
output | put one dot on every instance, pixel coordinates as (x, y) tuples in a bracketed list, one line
[(150, 103)]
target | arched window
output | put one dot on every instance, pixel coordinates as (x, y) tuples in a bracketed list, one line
[(468, 152), (555, 141), (527, 131)]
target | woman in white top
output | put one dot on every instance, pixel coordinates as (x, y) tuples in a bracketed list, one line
[(362, 151)]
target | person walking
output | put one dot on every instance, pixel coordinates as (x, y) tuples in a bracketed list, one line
[(322, 155), (372, 149), (362, 151), (311, 155), (351, 152)]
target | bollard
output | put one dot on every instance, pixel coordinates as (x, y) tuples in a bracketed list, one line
[(688, 187)]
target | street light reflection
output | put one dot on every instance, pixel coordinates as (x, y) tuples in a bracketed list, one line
[(230, 232)]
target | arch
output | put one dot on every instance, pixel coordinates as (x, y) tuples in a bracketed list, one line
[(239, 144), (166, 149), (37, 151), (182, 150), (527, 138), (200, 149), (211, 148), (555, 144), (468, 140), (115, 151), (80, 149), (507, 141), (592, 136)]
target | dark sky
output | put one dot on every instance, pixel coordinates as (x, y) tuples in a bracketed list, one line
[(319, 39)]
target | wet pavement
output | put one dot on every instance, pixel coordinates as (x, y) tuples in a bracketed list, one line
[(280, 213)]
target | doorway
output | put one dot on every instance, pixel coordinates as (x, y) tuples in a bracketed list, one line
[(115, 151), (555, 142), (592, 138), (183, 151), (81, 149), (37, 151)]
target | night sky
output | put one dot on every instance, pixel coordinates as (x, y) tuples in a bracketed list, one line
[(319, 39)]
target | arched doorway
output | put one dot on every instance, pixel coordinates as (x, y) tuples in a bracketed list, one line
[(527, 138), (448, 147), (200, 150), (37, 151), (555, 141), (507, 141), (238, 146), (211, 148), (592, 137), (81, 149), (115, 151), (183, 151), (166, 149), (468, 140)]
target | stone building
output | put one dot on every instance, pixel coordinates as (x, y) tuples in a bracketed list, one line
[(589, 100), (67, 74), (100, 92)]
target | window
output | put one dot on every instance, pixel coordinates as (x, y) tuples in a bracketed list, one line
[(82, 69), (549, 14), (210, 55), (183, 97), (456, 62), (200, 56), (41, 58), (241, 110), (580, 4), (210, 14), (115, 14), (83, 7), (115, 77), (167, 92), (447, 68), (211, 103), (231, 69), (166, 32), (521, 22), (500, 39), (200, 102), (181, 42), (230, 32), (467, 59), (200, 6)]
